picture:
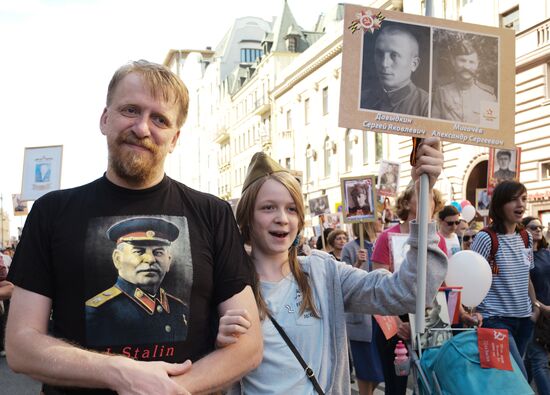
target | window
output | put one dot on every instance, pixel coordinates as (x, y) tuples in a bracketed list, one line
[(349, 150), (289, 120), (365, 147), (379, 147), (291, 44), (545, 171), (510, 19), (327, 149), (249, 55), (325, 100), (306, 111)]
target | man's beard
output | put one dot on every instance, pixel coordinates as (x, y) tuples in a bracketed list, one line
[(134, 166)]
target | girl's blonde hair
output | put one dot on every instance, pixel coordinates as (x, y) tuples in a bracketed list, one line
[(245, 215)]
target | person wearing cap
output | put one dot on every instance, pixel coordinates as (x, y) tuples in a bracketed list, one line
[(308, 297), (77, 258), (463, 98), (136, 307)]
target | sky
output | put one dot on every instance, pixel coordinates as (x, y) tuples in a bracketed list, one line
[(59, 55)]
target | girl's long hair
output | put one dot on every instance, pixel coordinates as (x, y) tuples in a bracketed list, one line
[(245, 215)]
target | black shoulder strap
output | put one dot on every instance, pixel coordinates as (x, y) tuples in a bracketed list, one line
[(309, 372)]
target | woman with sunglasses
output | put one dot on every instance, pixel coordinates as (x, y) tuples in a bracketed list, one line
[(510, 302), (537, 360), (307, 298), (468, 239)]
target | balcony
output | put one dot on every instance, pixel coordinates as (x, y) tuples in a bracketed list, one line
[(261, 106), (533, 45)]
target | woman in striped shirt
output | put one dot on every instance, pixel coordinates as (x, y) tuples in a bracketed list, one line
[(510, 301)]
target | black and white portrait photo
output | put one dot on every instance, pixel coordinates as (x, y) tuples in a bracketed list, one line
[(465, 77), (504, 165), (388, 178), (395, 69), (319, 205)]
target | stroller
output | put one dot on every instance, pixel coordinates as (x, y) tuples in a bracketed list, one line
[(447, 363)]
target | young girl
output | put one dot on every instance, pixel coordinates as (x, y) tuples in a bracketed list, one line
[(308, 297), (511, 298)]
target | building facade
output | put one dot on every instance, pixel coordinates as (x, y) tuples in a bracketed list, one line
[(281, 95)]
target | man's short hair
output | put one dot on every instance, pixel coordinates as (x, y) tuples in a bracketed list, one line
[(161, 81), (398, 29), (464, 47), (504, 152), (447, 211)]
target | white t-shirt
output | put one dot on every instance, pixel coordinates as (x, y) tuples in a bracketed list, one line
[(453, 245), (280, 372)]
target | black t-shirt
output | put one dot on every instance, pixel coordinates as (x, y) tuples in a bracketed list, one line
[(66, 255)]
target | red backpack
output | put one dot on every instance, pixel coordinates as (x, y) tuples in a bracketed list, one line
[(494, 246)]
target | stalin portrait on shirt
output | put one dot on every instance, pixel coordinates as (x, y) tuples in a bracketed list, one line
[(137, 309)]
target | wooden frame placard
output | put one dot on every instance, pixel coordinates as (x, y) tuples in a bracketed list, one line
[(422, 76)]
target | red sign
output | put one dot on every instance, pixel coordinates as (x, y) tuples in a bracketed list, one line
[(494, 348), (388, 324)]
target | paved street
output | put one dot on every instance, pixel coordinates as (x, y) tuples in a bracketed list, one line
[(16, 384)]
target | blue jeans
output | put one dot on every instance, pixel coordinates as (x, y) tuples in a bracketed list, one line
[(536, 362), (521, 331)]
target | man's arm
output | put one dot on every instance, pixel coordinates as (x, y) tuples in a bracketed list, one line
[(226, 365), (53, 361)]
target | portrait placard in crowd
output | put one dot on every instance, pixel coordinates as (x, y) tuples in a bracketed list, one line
[(388, 178), (358, 196), (41, 171)]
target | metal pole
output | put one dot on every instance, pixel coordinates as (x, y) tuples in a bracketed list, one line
[(423, 217)]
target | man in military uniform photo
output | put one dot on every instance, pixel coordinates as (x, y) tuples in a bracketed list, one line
[(504, 159), (396, 58), (462, 99), (136, 307)]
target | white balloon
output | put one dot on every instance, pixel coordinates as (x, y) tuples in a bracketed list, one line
[(471, 271), (468, 212)]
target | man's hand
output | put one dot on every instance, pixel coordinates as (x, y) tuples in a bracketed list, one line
[(429, 160), (148, 378), (232, 325)]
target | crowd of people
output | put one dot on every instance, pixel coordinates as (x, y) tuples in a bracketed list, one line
[(138, 284)]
